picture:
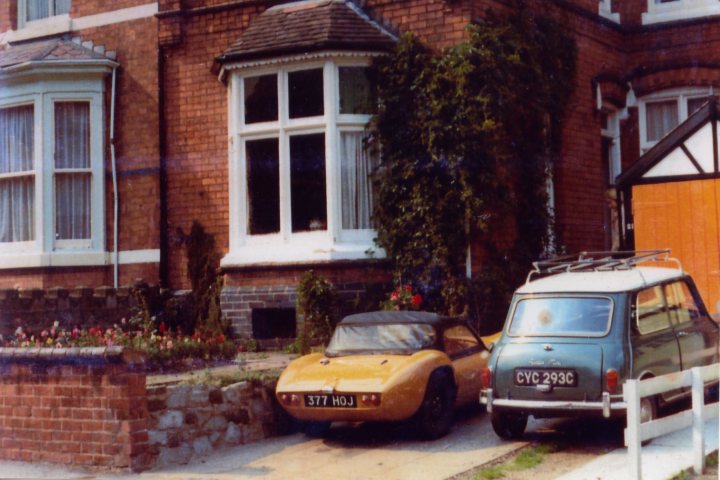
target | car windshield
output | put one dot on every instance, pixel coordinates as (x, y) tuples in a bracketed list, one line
[(561, 316), (380, 338)]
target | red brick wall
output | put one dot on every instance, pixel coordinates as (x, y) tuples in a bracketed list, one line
[(81, 8), (73, 407)]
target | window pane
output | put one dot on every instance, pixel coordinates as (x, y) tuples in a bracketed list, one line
[(661, 118), (36, 9), (650, 309), (562, 316), (356, 166), (17, 209), (306, 93), (681, 303), (62, 7), (263, 182), (307, 182), (459, 339), (694, 104), (356, 91), (261, 101), (72, 206), (17, 194), (16, 139), (72, 135)]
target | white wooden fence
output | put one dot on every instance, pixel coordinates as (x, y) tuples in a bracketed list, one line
[(636, 432)]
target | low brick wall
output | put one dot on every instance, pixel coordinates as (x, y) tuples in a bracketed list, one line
[(79, 406), (190, 421)]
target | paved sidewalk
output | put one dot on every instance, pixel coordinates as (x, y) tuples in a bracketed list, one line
[(663, 458)]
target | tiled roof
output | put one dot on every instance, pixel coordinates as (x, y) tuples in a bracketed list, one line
[(300, 27), (46, 50)]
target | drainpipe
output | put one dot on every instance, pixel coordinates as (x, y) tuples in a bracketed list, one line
[(114, 181), (162, 137)]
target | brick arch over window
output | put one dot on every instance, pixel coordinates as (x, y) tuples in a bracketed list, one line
[(648, 81)]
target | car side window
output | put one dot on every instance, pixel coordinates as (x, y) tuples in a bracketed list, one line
[(651, 314), (681, 303), (459, 339)]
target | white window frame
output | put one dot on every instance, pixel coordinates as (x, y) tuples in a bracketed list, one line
[(679, 10), (680, 95), (612, 132), (286, 246), (605, 11), (52, 21), (45, 250)]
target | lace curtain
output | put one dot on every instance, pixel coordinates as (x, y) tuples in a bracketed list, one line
[(17, 179), (72, 170), (37, 9), (356, 165), (661, 118)]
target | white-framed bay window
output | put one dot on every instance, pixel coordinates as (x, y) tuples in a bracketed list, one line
[(52, 173), (672, 10), (662, 111), (605, 10), (300, 186)]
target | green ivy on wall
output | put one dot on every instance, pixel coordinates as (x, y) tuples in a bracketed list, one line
[(467, 138)]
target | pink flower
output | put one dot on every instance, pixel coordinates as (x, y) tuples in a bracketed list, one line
[(394, 296)]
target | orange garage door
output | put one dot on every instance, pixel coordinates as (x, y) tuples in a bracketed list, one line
[(685, 217)]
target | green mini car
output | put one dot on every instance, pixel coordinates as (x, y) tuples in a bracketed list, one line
[(581, 325)]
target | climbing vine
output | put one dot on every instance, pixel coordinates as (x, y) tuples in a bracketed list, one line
[(467, 137)]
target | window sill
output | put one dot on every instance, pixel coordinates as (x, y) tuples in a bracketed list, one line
[(54, 259), (680, 13), (273, 254), (76, 259), (40, 28)]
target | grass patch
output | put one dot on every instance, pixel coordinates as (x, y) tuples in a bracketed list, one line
[(525, 460), (711, 463)]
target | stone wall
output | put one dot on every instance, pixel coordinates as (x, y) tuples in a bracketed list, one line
[(190, 421), (78, 406)]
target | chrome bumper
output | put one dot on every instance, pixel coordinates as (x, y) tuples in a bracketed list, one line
[(607, 405)]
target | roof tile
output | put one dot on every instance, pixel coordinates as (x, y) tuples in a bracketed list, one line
[(308, 26)]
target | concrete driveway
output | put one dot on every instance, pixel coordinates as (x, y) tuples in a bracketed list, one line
[(351, 452)]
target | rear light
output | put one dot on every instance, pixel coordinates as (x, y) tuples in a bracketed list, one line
[(371, 399), (289, 399), (486, 377), (611, 380)]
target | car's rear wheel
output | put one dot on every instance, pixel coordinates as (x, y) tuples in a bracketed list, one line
[(315, 428), (648, 412), (509, 426), (435, 417)]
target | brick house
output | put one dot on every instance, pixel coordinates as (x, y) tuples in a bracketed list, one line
[(123, 122)]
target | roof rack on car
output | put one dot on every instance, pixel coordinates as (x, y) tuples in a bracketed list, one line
[(598, 261)]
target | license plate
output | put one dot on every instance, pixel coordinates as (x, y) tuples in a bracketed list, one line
[(529, 377), (330, 400)]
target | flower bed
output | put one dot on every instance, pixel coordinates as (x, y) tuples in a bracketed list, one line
[(165, 349)]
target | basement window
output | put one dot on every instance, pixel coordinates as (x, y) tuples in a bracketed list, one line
[(269, 323)]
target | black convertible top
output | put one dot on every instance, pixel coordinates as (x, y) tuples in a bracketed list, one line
[(396, 316)]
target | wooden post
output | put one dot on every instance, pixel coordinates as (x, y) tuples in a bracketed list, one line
[(698, 425), (632, 432)]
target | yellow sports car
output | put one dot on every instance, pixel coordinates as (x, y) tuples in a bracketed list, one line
[(387, 366)]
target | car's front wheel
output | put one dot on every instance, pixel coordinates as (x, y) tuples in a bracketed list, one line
[(436, 412), (509, 426)]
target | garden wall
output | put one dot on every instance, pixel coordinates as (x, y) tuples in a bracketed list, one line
[(84, 307), (190, 421), (78, 406)]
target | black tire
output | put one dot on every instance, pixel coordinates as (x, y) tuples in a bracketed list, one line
[(648, 412), (315, 429), (508, 426), (435, 417)]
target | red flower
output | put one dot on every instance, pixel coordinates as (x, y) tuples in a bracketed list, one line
[(220, 338), (394, 296), (416, 300), (162, 328), (408, 288)]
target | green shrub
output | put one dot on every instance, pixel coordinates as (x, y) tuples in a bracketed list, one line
[(317, 303)]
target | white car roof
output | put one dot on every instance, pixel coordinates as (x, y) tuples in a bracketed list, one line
[(600, 281)]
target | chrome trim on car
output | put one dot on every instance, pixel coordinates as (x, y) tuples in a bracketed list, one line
[(607, 405)]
